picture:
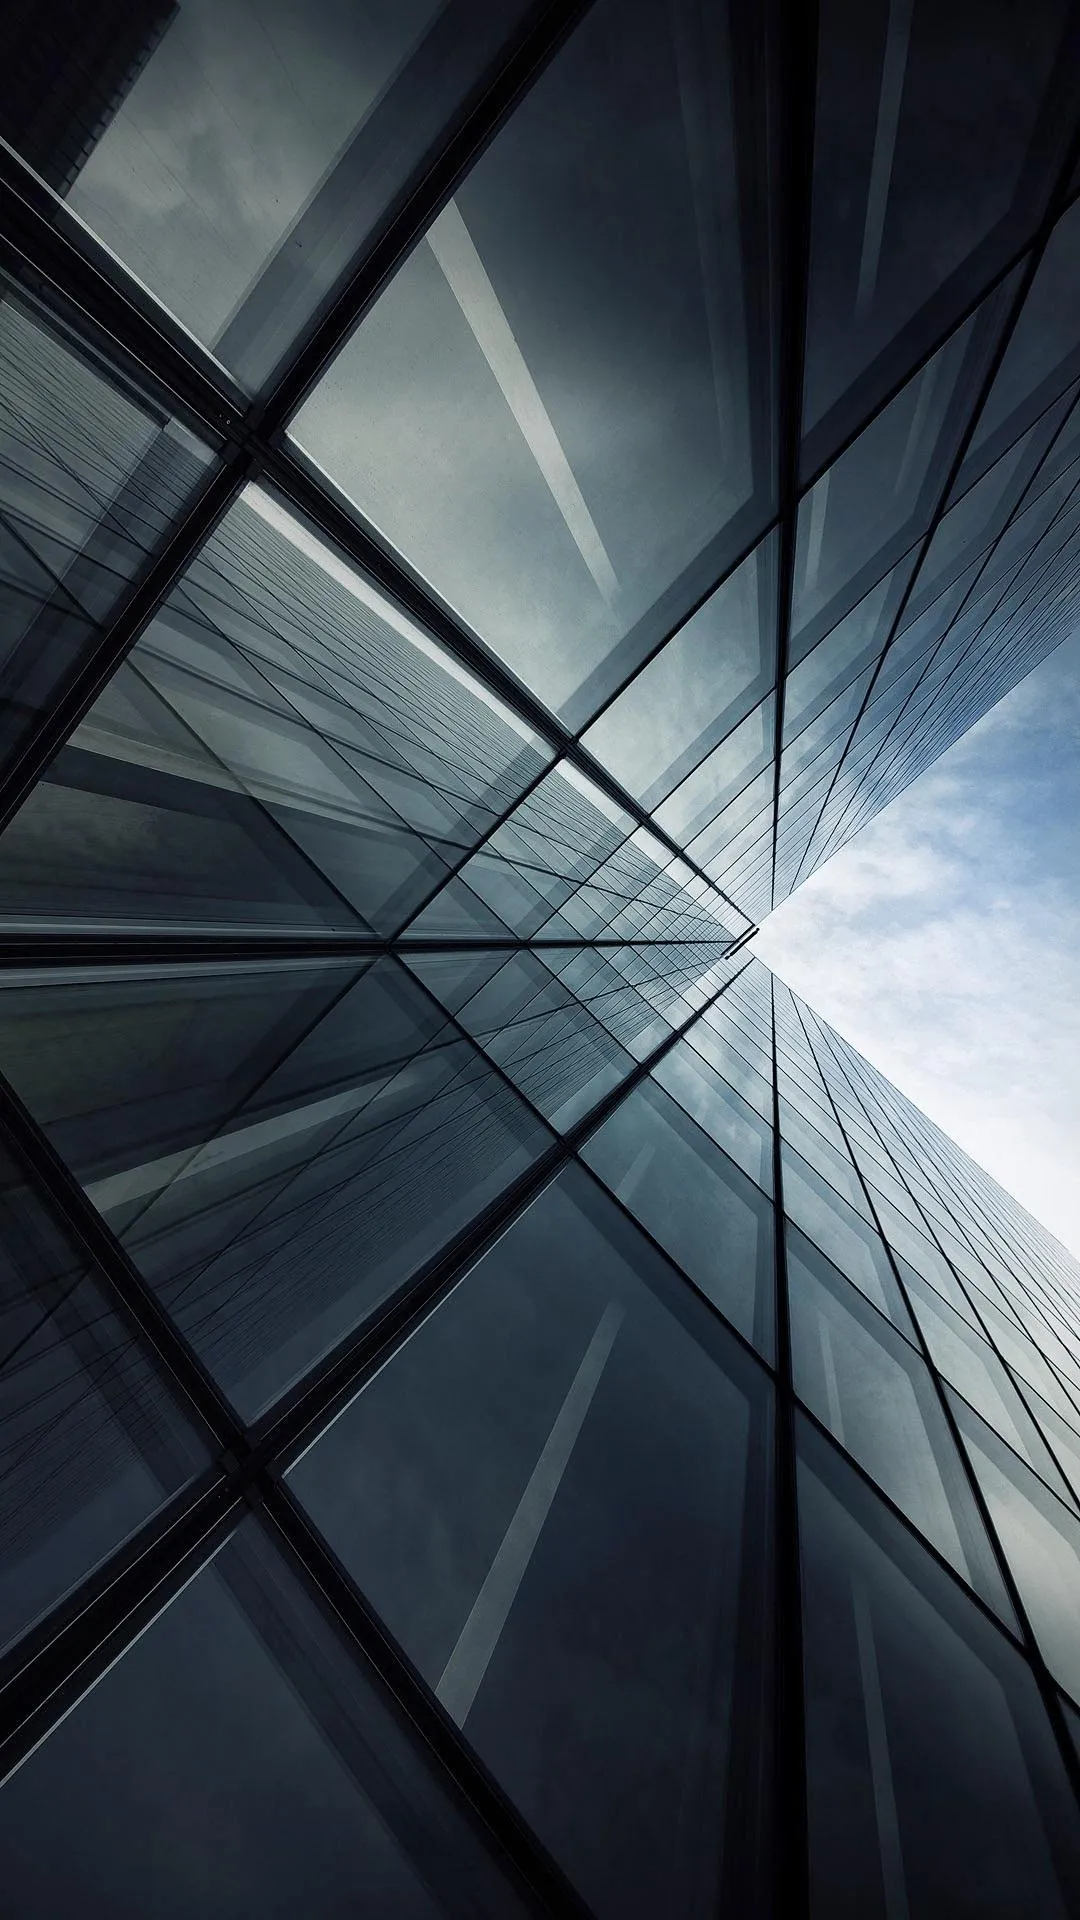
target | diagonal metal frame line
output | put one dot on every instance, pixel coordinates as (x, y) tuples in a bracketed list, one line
[(53, 1666), (71, 282), (900, 1174), (315, 499), (866, 796), (863, 794), (954, 1197), (1055, 206), (796, 177), (107, 301), (790, 1710), (101, 947), (801, 810), (1033, 1652), (548, 1889), (76, 277), (539, 36)]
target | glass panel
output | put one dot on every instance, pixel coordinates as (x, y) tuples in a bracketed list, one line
[(907, 1240), (557, 423), (859, 517), (923, 182), (935, 1784), (88, 483), (824, 669), (568, 849), (818, 1143), (542, 1038), (723, 1113), (1041, 354), (91, 1440), (964, 1358), (973, 521), (277, 1147), (236, 1762), (1026, 1361), (850, 1242), (736, 827), (282, 747), (708, 677), (726, 1055), (235, 153), (1041, 1538), (701, 1209), (875, 1394), (720, 777), (553, 1496)]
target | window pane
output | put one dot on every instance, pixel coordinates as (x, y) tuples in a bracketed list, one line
[(873, 1391), (1041, 1538), (542, 1038), (552, 1495), (878, 497), (235, 153), (965, 1358), (703, 1211), (550, 411), (923, 182), (89, 482), (722, 775), (278, 1148), (850, 1242), (281, 748), (724, 1114), (234, 1763), (935, 1785), (692, 694)]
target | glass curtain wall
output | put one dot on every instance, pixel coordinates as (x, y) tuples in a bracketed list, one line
[(502, 1411)]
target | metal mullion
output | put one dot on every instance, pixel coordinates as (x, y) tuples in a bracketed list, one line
[(799, 29), (254, 452), (904, 1521), (1009, 1258), (911, 371), (323, 671), (262, 807), (102, 946), (792, 1890), (157, 349), (67, 270), (487, 835), (866, 794), (1043, 1679)]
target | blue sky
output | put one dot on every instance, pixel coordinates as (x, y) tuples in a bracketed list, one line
[(944, 942)]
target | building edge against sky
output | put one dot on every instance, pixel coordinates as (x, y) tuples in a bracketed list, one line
[(500, 1406)]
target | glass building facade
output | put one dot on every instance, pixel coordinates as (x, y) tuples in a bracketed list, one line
[(502, 1410)]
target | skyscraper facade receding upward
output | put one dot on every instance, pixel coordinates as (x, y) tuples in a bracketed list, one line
[(502, 1410)]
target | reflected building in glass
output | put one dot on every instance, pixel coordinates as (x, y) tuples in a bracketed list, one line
[(502, 1410)]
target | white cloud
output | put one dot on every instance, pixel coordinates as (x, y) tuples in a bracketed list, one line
[(943, 943)]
